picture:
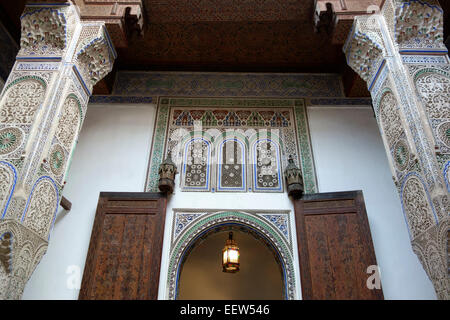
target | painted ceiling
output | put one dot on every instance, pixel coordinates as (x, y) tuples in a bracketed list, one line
[(226, 36), (231, 35)]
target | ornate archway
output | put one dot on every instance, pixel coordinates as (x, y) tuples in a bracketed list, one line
[(273, 228)]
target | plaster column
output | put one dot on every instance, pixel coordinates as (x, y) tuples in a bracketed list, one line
[(42, 107), (401, 55)]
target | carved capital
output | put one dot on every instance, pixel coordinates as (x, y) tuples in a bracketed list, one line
[(47, 29), (415, 24), (94, 55), (364, 48)]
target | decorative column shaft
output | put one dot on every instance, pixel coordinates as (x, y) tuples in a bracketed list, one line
[(401, 55), (42, 107)]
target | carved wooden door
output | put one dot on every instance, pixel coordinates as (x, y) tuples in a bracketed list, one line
[(124, 256), (335, 246)]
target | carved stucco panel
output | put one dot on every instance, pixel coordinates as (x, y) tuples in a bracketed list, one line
[(21, 101), (41, 207), (434, 91), (8, 179), (416, 205), (46, 31)]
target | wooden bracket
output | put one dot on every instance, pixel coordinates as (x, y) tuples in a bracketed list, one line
[(66, 204)]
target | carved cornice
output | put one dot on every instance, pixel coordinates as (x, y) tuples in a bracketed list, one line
[(94, 55), (343, 14), (47, 29), (415, 24), (124, 19), (364, 48)]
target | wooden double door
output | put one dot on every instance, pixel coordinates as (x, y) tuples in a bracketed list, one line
[(124, 258)]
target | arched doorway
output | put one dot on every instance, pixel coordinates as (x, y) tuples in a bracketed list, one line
[(260, 232), (260, 276)]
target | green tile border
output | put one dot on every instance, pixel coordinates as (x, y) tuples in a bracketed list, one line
[(162, 124)]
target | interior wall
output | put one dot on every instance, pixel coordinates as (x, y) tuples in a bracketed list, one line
[(111, 155), (349, 155), (259, 277)]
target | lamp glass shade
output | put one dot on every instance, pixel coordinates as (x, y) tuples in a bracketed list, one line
[(230, 256)]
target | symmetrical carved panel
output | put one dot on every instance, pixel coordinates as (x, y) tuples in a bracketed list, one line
[(393, 130), (434, 90), (18, 109), (232, 161), (417, 206), (21, 101), (243, 121), (69, 121), (196, 165), (8, 178), (266, 166), (41, 207)]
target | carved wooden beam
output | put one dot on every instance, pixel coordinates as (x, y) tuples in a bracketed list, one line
[(124, 19), (339, 21)]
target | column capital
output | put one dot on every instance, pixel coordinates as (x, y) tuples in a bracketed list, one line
[(415, 24), (47, 29), (54, 31), (94, 54), (364, 48)]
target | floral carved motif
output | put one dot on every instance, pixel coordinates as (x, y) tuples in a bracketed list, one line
[(434, 90), (390, 118), (41, 207), (417, 207), (7, 181), (21, 102), (69, 122), (10, 139), (57, 160)]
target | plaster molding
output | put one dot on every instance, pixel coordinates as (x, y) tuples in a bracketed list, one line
[(364, 48), (415, 24)]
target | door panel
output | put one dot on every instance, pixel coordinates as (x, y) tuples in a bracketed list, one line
[(335, 246), (124, 256)]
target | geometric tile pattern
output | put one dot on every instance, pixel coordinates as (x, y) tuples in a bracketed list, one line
[(173, 114)]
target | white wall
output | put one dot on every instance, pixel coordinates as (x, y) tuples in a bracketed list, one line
[(349, 155), (111, 155)]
